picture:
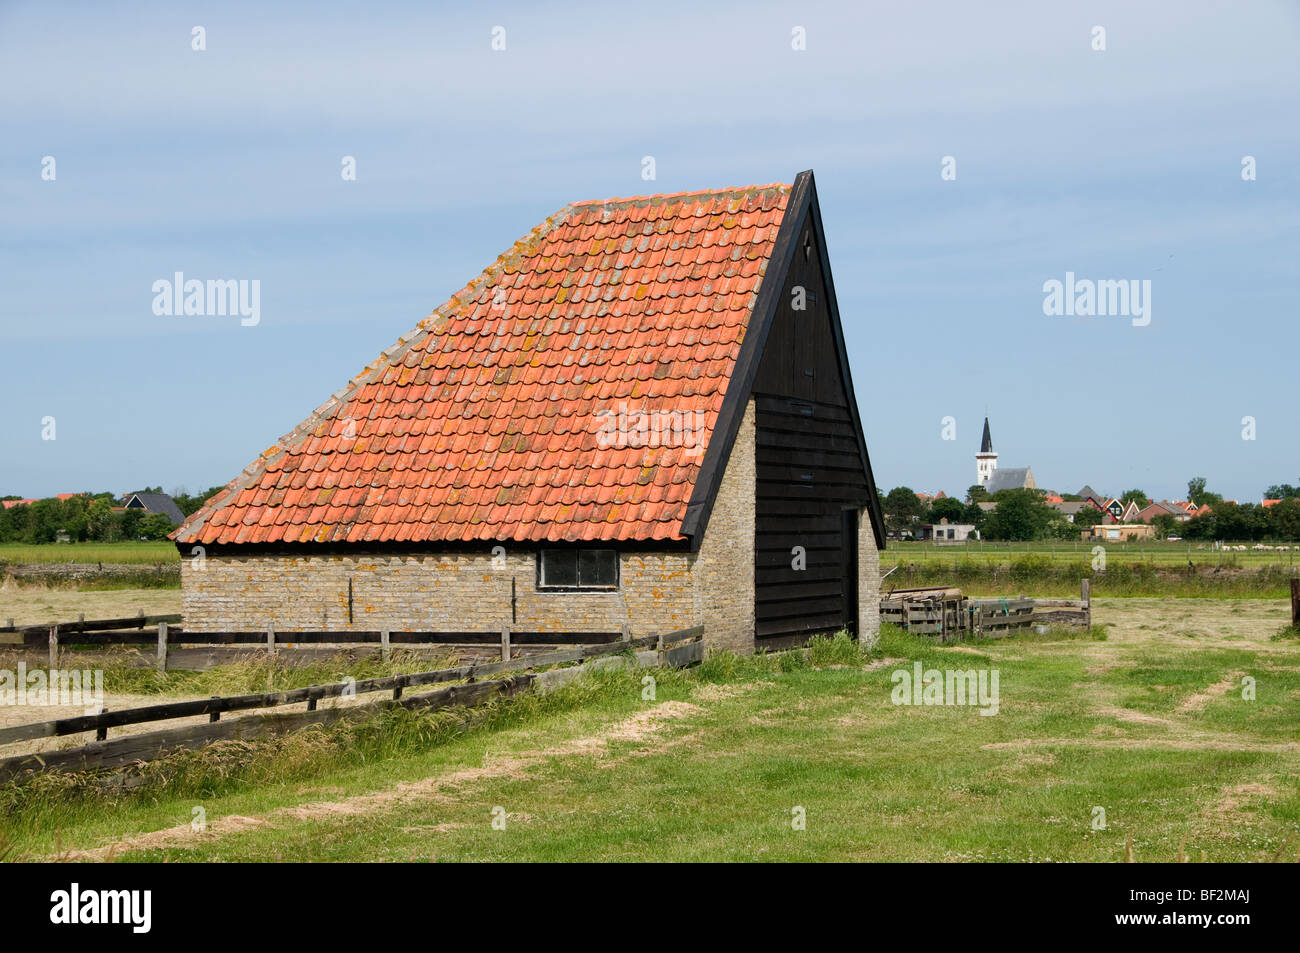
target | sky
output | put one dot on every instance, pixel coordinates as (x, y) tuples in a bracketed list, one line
[(1127, 162)]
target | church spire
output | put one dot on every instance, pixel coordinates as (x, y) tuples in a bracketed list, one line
[(986, 461)]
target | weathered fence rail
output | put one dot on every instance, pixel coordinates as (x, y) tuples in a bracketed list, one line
[(177, 635), (124, 624), (176, 648), (674, 649)]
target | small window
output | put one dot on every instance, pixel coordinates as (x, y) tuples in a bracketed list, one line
[(577, 569)]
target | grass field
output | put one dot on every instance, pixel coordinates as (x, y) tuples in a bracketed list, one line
[(1148, 724), (1123, 569), (136, 554), (1158, 554)]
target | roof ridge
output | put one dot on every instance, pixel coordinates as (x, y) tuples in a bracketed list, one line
[(624, 201)]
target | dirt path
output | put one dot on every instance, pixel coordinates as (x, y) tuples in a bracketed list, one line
[(1198, 701), (640, 728)]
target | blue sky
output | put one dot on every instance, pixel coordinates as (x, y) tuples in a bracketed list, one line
[(225, 163)]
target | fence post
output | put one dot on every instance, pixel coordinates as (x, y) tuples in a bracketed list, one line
[(101, 734), (270, 640), (162, 646), (625, 630), (1295, 602), (385, 648), (505, 643), (54, 646), (214, 715), (1087, 603)]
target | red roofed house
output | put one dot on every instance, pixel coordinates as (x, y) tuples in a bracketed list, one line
[(641, 414)]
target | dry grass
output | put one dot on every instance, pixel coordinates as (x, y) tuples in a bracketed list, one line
[(31, 605)]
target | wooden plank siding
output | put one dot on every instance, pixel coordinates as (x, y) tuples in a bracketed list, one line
[(809, 467)]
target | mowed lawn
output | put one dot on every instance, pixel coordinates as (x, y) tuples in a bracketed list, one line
[(1149, 725)]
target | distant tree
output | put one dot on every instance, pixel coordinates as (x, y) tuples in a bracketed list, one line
[(99, 517), (128, 524), (947, 508), (1088, 516), (902, 508), (972, 514), (1237, 521), (976, 493), (1284, 519), (1282, 491), (1198, 494), (1164, 524), (1071, 498), (1135, 496), (189, 505), (155, 526), (1020, 515)]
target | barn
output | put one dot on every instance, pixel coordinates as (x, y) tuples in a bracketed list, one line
[(640, 416)]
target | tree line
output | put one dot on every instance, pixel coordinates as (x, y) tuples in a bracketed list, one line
[(91, 517), (1022, 514)]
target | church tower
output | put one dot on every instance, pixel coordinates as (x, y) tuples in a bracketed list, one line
[(986, 461)]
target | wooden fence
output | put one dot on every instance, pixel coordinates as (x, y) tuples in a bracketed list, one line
[(945, 614), (174, 648), (675, 649)]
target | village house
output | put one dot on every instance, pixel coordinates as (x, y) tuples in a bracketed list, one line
[(640, 415), (944, 531), (1118, 532), (1070, 509), (159, 503), (1163, 508)]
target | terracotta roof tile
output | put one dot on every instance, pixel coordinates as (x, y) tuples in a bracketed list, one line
[(483, 423)]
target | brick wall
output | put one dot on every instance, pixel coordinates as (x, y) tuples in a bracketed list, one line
[(460, 592), (470, 592), (868, 581), (724, 572)]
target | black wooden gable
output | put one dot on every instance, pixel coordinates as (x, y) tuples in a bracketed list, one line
[(811, 454)]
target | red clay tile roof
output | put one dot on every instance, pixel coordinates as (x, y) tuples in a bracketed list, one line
[(482, 423)]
